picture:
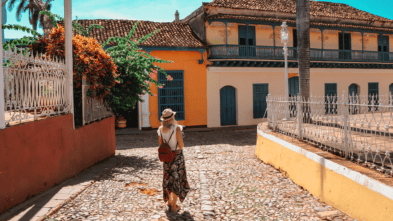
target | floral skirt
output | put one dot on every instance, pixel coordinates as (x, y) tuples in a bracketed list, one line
[(175, 178)]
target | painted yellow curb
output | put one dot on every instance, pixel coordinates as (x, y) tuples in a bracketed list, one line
[(361, 197)]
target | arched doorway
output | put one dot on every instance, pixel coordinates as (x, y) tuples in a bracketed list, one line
[(391, 89), (228, 105), (353, 90)]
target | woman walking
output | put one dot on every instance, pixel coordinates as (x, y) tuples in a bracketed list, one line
[(175, 184)]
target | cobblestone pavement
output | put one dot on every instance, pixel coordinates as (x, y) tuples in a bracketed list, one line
[(227, 183)]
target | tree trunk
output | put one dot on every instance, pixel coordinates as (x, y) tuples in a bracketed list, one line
[(303, 48), (47, 26)]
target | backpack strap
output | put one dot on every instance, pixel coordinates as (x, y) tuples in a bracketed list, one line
[(169, 137)]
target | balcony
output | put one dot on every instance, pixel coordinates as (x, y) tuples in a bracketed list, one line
[(276, 53)]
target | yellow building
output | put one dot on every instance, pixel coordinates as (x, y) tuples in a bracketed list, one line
[(350, 52), (176, 42)]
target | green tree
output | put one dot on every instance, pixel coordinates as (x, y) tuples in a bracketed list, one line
[(34, 7), (136, 71)]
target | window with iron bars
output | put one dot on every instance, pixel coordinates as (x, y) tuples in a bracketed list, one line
[(172, 94)]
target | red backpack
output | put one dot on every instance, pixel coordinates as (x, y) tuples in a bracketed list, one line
[(165, 153)]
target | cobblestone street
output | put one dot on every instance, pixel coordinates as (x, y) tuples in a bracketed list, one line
[(227, 183)]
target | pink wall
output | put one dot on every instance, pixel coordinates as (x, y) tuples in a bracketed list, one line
[(38, 155)]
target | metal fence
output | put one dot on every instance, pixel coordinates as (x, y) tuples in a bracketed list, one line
[(355, 127), (92, 109), (34, 86)]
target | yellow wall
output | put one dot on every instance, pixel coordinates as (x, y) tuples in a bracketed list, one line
[(233, 34), (315, 39), (350, 197), (330, 39), (264, 35), (194, 86), (215, 33), (356, 41), (370, 42)]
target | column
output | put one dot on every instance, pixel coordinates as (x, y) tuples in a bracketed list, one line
[(362, 46), (68, 54), (322, 42), (274, 41), (2, 101), (343, 45), (145, 111), (226, 39)]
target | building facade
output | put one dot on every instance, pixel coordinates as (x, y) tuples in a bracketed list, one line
[(175, 42), (350, 51)]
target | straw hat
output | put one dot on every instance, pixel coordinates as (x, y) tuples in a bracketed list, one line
[(167, 114)]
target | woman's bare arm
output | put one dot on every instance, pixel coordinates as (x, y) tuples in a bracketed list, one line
[(179, 138), (159, 141)]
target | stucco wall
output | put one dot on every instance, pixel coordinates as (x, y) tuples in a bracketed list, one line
[(391, 43), (356, 41), (194, 86), (38, 155), (242, 80), (330, 39), (233, 34), (370, 42), (315, 39), (264, 35), (215, 33)]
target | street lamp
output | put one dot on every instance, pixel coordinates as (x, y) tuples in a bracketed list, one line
[(284, 40)]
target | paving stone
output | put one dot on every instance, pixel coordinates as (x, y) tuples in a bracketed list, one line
[(228, 183)]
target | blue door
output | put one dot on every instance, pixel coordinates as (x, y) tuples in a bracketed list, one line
[(383, 47), (228, 105)]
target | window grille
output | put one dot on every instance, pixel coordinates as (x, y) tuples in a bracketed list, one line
[(172, 94)]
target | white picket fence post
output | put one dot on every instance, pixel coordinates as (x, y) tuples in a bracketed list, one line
[(68, 54), (2, 101)]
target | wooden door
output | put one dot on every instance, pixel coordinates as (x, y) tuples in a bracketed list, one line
[(293, 86), (383, 48), (228, 105), (345, 46), (260, 92)]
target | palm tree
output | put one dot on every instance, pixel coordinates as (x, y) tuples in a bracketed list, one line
[(303, 48), (34, 7)]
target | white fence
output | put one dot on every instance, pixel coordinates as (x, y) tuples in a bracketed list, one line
[(355, 127), (34, 86), (92, 109), (38, 86)]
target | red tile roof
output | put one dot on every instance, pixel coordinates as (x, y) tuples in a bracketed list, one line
[(317, 8), (170, 34), (257, 18)]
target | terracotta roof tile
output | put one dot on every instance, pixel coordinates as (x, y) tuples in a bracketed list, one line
[(170, 34), (327, 9), (242, 17)]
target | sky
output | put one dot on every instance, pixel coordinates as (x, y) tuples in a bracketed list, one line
[(155, 10)]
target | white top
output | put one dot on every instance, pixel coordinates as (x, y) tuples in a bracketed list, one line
[(165, 136)]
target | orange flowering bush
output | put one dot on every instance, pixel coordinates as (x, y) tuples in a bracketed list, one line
[(89, 59)]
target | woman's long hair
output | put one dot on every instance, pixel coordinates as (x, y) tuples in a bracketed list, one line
[(167, 125)]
